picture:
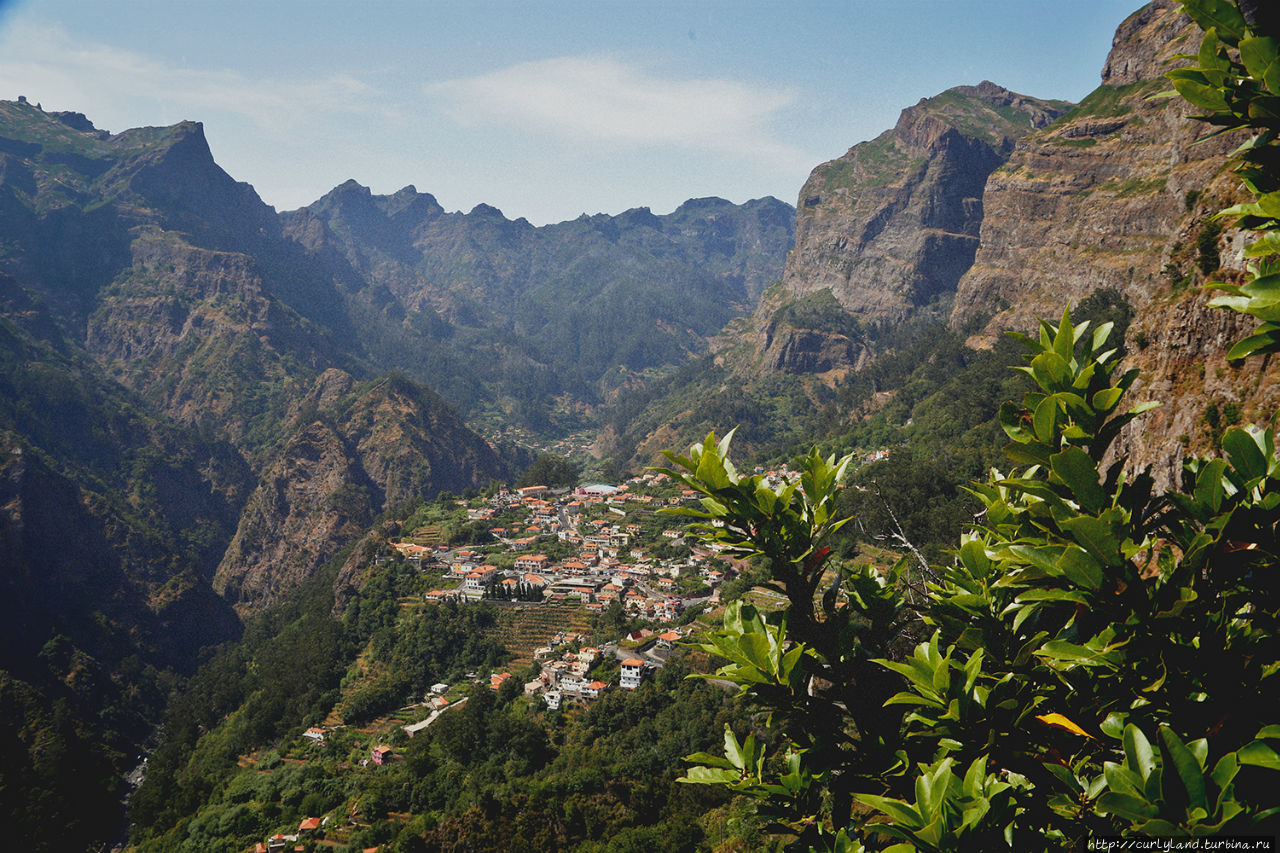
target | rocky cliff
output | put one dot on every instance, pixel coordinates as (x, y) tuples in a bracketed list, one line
[(358, 449), (1119, 194), (890, 227), (1106, 196)]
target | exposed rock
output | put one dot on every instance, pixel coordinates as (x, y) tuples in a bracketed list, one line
[(308, 503), (893, 224), (364, 449), (1100, 198), (1118, 194), (806, 351)]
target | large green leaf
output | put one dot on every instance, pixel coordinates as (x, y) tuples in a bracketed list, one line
[(1245, 453), (1189, 771), (1262, 60), (1255, 344), (1222, 16), (710, 776), (1045, 419), (1127, 806), (1096, 537), (901, 812), (1193, 86), (1259, 754), (1138, 754), (1079, 472)]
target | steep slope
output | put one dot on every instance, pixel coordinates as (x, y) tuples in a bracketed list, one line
[(141, 248), (1119, 194), (883, 235), (357, 451), (890, 227), (1098, 199), (112, 521)]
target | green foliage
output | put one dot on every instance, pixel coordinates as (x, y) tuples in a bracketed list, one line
[(819, 311), (812, 666), (1235, 80), (1082, 612), (551, 471)]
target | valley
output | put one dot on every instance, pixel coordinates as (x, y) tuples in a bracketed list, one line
[(373, 525)]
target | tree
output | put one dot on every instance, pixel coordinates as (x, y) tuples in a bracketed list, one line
[(552, 471), (1083, 621)]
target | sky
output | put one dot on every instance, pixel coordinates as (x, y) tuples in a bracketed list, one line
[(546, 110)]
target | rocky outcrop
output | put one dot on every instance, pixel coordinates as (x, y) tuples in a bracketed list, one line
[(893, 224), (1102, 198), (310, 501), (359, 449), (807, 351)]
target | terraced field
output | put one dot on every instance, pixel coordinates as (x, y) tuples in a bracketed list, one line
[(523, 629)]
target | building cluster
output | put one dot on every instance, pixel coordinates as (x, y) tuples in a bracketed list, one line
[(566, 667), (610, 563)]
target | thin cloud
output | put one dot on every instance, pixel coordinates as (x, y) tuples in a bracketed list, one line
[(43, 62), (603, 100)]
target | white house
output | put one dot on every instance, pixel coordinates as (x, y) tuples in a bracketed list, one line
[(632, 673)]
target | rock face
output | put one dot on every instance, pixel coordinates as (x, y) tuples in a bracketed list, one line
[(1102, 198), (358, 451), (1119, 194), (892, 225)]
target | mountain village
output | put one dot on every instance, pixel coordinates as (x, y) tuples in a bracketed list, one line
[(596, 546)]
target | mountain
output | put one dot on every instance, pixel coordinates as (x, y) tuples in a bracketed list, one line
[(214, 402), (1120, 194), (889, 228), (504, 316), (155, 380), (982, 210), (884, 234)]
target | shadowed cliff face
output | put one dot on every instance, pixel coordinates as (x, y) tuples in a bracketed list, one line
[(356, 451), (892, 225), (1100, 198), (1120, 193)]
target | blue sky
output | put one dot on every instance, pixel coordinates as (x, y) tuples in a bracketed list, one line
[(544, 109)]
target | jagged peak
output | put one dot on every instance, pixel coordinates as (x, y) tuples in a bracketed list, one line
[(706, 203), (349, 187), (408, 202), (487, 211), (979, 111)]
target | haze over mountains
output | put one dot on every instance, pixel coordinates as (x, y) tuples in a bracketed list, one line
[(205, 401)]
